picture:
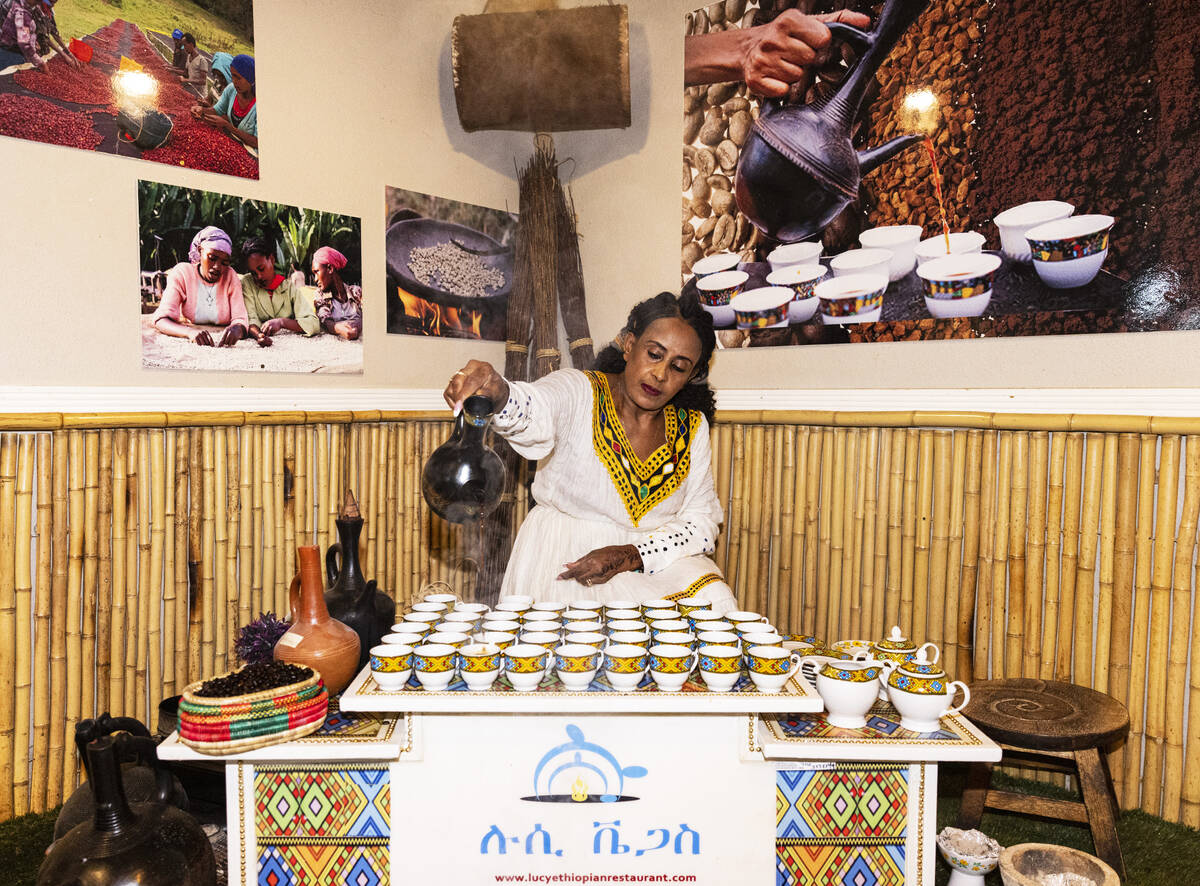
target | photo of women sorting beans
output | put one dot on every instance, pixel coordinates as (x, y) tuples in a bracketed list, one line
[(237, 284)]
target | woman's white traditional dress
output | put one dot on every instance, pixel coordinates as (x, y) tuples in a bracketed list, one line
[(592, 491)]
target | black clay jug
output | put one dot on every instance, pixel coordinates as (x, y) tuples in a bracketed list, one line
[(142, 774), (464, 478), (798, 168), (349, 597), (147, 844)]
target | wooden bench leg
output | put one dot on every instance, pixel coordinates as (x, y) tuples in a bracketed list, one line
[(974, 798), (1096, 788)]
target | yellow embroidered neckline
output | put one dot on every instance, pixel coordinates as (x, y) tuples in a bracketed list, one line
[(641, 484)]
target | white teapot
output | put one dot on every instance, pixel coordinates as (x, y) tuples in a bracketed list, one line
[(921, 692), (897, 648)]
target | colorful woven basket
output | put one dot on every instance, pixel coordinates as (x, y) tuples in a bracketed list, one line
[(245, 722)]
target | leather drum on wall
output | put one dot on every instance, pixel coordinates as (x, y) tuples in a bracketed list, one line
[(548, 70)]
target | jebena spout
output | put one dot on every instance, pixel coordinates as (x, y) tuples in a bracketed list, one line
[(869, 158)]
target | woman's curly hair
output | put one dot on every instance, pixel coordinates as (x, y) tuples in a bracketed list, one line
[(696, 394)]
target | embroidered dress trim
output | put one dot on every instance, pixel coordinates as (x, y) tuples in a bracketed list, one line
[(702, 582), (641, 485)]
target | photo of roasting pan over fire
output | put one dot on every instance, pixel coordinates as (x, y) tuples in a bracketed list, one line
[(449, 266)]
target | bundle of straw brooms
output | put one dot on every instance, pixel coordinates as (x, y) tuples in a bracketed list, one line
[(547, 276)]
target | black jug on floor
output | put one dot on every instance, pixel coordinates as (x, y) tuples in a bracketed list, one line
[(464, 477), (349, 597), (141, 771), (150, 844)]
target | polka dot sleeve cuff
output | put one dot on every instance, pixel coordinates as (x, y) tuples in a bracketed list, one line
[(516, 413), (664, 546)]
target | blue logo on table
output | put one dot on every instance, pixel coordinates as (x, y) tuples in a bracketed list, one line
[(581, 771)]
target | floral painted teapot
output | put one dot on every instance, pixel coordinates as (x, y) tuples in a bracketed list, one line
[(898, 649), (920, 690)]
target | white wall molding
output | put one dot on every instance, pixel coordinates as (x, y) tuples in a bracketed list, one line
[(1119, 401), (1103, 401)]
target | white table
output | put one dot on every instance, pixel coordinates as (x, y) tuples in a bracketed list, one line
[(464, 787)]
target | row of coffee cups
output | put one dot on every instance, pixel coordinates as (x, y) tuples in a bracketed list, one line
[(625, 665), (591, 633)]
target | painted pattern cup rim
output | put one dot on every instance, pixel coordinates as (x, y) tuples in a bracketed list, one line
[(1070, 228), (794, 275), (1033, 212), (846, 286), (961, 266), (764, 298), (721, 280)]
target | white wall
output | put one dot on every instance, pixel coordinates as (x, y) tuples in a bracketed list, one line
[(355, 96)]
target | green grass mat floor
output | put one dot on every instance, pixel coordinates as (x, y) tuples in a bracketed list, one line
[(1157, 852)]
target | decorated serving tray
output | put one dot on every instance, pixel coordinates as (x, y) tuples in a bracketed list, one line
[(364, 694), (808, 735)]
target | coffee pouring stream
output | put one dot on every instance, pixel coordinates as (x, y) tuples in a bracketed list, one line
[(798, 168)]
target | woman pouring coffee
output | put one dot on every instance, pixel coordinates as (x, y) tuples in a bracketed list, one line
[(626, 507)]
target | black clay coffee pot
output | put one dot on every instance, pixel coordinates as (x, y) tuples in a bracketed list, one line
[(464, 478), (144, 778), (798, 168), (349, 597), (147, 844)]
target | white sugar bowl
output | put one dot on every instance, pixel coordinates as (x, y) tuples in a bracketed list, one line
[(848, 688), (920, 691)]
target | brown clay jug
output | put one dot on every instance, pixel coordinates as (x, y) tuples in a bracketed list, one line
[(316, 639)]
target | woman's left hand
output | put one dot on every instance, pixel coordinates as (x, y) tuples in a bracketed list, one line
[(598, 566), (232, 336)]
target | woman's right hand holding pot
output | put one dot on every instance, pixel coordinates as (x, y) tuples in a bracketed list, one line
[(477, 377)]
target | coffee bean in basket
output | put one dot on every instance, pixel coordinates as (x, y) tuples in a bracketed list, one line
[(254, 678)]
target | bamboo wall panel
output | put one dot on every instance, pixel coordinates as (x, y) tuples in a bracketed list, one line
[(9, 632), (129, 557), (132, 550), (1042, 551)]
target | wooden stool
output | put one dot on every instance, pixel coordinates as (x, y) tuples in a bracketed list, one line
[(1045, 721)]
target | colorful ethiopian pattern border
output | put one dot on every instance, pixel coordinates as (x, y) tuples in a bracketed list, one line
[(354, 727), (848, 824), (320, 823), (641, 485)]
